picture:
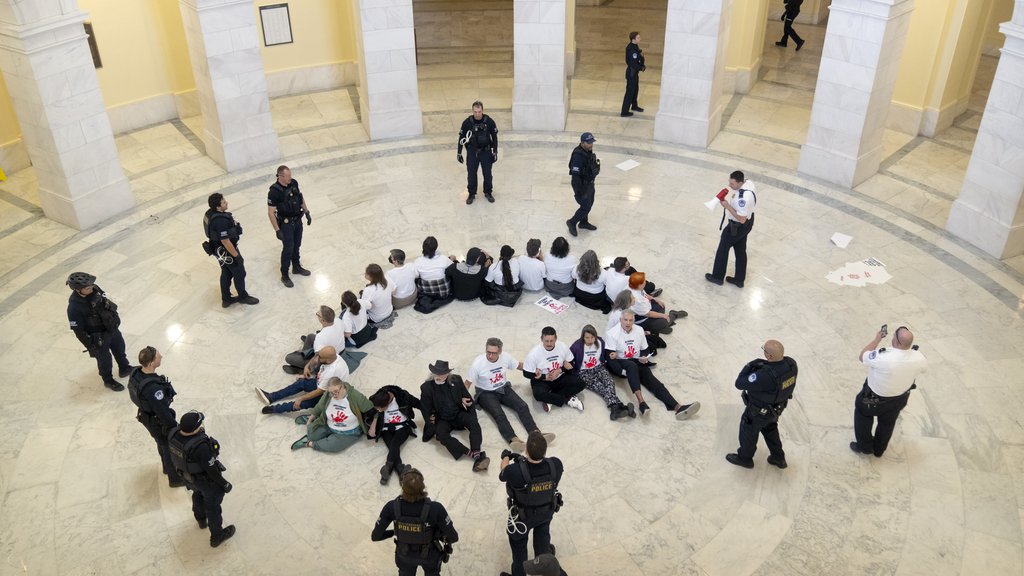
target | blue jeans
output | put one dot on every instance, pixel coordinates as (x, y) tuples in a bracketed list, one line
[(300, 386)]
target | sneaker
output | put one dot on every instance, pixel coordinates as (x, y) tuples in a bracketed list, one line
[(732, 280), (289, 369), (470, 199), (545, 406), (300, 443), (263, 397), (516, 445), (676, 314), (630, 410), (644, 408), (617, 411), (266, 410), (572, 228), (228, 302), (588, 226), (687, 410), (385, 473), (301, 419), (490, 198), (250, 300), (228, 532), (576, 403), (287, 282), (712, 279), (735, 459), (300, 271), (481, 462), (549, 436), (657, 292), (125, 372), (113, 385), (779, 462)]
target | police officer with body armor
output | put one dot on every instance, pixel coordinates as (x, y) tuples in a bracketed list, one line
[(767, 386), (222, 233), (738, 201), (285, 208), (531, 482), (95, 321), (194, 456), (423, 531), (634, 66), (479, 134), (153, 394), (583, 168)]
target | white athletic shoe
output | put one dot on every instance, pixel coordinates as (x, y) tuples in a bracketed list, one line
[(576, 403)]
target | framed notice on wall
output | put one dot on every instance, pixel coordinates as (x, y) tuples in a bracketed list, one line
[(277, 24)]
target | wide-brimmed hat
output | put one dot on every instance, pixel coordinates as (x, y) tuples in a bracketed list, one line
[(440, 368)]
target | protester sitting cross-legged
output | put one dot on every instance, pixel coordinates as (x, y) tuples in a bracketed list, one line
[(591, 354), (446, 406), (358, 330), (467, 278), (558, 267), (531, 267), (590, 280), (310, 385), (434, 289), (651, 313), (403, 278), (548, 365), (336, 421), (379, 294), (502, 284), (392, 420), (331, 333)]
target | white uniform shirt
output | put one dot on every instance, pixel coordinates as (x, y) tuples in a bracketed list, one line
[(491, 375), (615, 283), (432, 268), (338, 369), (547, 360), (380, 301), (340, 416), (892, 372), (333, 335), (355, 322), (403, 278), (743, 206), (559, 269), (531, 272), (496, 275), (626, 344), (596, 288)]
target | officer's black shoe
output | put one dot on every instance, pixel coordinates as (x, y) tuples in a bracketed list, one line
[(469, 200), (638, 109), (113, 385), (228, 532), (712, 279), (287, 282), (300, 271), (783, 44), (735, 459), (250, 300), (626, 114), (202, 523), (856, 448), (175, 482), (779, 463), (228, 302), (588, 226), (289, 369), (572, 228), (733, 281), (125, 372), (489, 196), (385, 473), (799, 45)]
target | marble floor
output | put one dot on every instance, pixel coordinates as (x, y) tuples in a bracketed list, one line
[(79, 477)]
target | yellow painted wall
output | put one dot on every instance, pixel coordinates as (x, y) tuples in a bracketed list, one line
[(921, 54), (964, 65), (746, 34), (9, 129), (1002, 11), (323, 32)]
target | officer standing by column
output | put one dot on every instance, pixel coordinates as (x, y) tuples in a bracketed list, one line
[(479, 134), (95, 321), (739, 213), (153, 394), (634, 66), (891, 376), (223, 233), (767, 386), (423, 532), (194, 455), (531, 482), (584, 166), (285, 208)]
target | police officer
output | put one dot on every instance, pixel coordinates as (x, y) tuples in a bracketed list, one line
[(891, 376), (223, 233), (788, 16), (153, 394), (531, 482), (95, 321), (738, 202), (479, 134), (285, 208), (423, 532), (634, 66), (194, 455), (584, 167), (767, 386)]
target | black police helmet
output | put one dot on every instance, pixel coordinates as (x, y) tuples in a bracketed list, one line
[(79, 280), (191, 421)]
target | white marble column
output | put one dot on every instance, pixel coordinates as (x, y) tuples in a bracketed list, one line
[(859, 63), (389, 96), (223, 45), (540, 96), (693, 72), (45, 58), (990, 212)]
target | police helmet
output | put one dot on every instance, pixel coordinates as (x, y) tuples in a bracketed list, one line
[(79, 280), (191, 421)]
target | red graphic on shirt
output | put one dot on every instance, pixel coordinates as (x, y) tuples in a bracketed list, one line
[(590, 362), (555, 365), (395, 419), (630, 351), (339, 417), (497, 377)]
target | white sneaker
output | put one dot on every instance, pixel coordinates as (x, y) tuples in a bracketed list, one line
[(687, 410), (263, 397), (576, 403)]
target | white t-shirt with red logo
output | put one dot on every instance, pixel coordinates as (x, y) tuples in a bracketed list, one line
[(591, 356), (392, 415), (625, 344), (547, 360), (491, 375), (340, 416)]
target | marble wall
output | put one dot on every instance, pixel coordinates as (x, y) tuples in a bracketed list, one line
[(539, 97)]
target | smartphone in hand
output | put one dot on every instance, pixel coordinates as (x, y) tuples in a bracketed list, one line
[(884, 330)]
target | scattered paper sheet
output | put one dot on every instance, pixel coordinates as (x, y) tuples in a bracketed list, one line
[(551, 305), (841, 240), (712, 204), (627, 165), (860, 274)]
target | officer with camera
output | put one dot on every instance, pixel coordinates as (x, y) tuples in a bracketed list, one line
[(423, 531), (479, 134), (222, 233), (285, 208), (95, 321), (531, 482), (584, 166), (194, 456), (767, 386), (153, 394)]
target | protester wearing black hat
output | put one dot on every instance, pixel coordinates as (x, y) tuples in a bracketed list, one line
[(95, 321), (467, 278), (583, 168), (194, 455), (446, 406)]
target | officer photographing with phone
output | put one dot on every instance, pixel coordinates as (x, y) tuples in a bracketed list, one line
[(423, 531), (153, 394), (95, 321), (531, 482), (767, 386), (285, 208), (194, 455)]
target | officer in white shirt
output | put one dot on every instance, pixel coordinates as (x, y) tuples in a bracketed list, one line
[(738, 200), (548, 365), (891, 375)]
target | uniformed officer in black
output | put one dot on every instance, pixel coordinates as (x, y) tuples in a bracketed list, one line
[(95, 321), (479, 134), (767, 386), (194, 455), (531, 482), (634, 66), (584, 167), (153, 394), (423, 530), (788, 16), (223, 233), (285, 208)]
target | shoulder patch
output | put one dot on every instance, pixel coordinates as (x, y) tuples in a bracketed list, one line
[(159, 395), (872, 355), (741, 202), (752, 377)]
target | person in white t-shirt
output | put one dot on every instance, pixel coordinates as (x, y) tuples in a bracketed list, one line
[(393, 421), (489, 372), (558, 267), (590, 281), (337, 420), (430, 271), (892, 374), (531, 267), (548, 365), (330, 333), (502, 285), (738, 200), (378, 293), (629, 356), (618, 279), (403, 278), (310, 385), (651, 313), (591, 354), (358, 330)]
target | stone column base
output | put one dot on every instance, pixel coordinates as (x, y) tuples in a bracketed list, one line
[(831, 166), (394, 123), (992, 236), (240, 154), (538, 116), (89, 209), (695, 132)]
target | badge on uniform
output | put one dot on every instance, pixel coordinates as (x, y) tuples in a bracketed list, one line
[(752, 377), (159, 395), (872, 355), (741, 202)]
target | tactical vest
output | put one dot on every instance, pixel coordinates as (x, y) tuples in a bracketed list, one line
[(785, 382), (102, 315), (413, 533), (208, 219), (481, 135), (538, 492), (181, 455), (292, 205), (138, 382)]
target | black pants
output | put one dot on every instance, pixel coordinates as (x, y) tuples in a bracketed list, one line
[(886, 410), (557, 392), (492, 403), (632, 91), (463, 421), (734, 237), (206, 501), (638, 374), (112, 349), (407, 566), (483, 159), (165, 454), (585, 199), (234, 271), (753, 423), (788, 32), (394, 440), (654, 325), (541, 528), (291, 241)]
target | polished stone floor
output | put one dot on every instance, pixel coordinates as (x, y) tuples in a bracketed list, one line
[(79, 478)]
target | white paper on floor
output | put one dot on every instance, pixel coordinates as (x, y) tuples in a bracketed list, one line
[(551, 305), (627, 165), (841, 240), (712, 204), (859, 274)]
